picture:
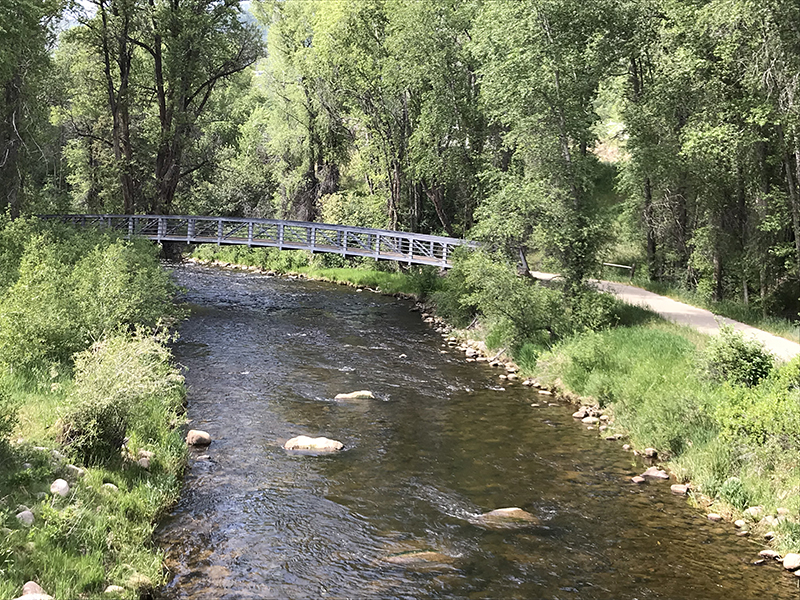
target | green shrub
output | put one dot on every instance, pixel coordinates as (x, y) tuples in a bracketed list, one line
[(121, 383), (72, 286), (424, 281), (734, 493), (732, 358), (8, 414)]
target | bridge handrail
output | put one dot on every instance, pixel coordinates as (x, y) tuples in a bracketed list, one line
[(332, 226), (400, 246)]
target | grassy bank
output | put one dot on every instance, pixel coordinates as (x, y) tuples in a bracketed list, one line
[(720, 413), (416, 282), (88, 395)]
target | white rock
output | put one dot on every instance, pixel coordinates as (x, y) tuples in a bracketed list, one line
[(783, 512), (650, 452), (319, 444), (35, 597), (579, 414), (114, 589), (716, 518), (31, 587), (26, 518), (60, 487), (754, 512), (679, 489), (655, 473), (75, 471), (359, 395), (110, 487), (590, 420), (769, 553), (791, 562), (740, 523), (144, 463), (145, 454), (545, 392), (638, 479), (195, 437)]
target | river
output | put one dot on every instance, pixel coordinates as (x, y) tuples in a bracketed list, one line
[(441, 442)]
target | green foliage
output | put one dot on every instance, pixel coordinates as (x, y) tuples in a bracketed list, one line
[(71, 287), (731, 357), (123, 386), (8, 414), (734, 493)]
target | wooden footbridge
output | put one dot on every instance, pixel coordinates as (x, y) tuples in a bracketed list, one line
[(380, 244)]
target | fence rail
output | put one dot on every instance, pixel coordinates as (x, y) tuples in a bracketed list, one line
[(380, 244)]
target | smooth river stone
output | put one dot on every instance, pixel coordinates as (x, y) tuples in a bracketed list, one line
[(319, 444), (31, 587), (196, 437), (505, 518), (359, 395), (655, 473), (421, 560), (60, 487), (791, 562)]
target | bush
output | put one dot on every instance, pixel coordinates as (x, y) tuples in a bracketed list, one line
[(732, 358), (8, 414), (121, 383), (72, 286)]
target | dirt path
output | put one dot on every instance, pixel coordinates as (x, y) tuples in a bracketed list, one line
[(678, 312)]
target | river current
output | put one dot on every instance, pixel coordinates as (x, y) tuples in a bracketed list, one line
[(443, 441)]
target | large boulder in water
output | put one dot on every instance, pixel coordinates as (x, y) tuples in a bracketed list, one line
[(196, 437), (319, 444), (505, 518)]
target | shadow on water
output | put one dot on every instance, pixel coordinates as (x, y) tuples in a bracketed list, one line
[(390, 516)]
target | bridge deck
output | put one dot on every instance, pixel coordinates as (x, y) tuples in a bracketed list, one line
[(380, 244)]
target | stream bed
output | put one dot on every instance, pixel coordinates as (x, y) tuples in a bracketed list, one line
[(389, 516)]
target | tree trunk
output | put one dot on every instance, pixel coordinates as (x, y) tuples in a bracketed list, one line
[(434, 193), (652, 260), (10, 140)]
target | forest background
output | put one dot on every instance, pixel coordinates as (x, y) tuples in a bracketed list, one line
[(659, 132)]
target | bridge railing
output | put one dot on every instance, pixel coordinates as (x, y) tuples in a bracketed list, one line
[(380, 244)]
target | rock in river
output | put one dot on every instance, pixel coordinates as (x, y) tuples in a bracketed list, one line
[(655, 473), (791, 562), (195, 437), (319, 444), (359, 395), (505, 518)]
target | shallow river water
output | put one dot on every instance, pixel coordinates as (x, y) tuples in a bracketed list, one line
[(442, 442)]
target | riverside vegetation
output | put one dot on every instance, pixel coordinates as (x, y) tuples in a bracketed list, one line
[(721, 412), (89, 395)]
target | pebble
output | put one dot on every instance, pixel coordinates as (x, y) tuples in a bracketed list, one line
[(590, 420), (195, 437), (626, 446), (716, 518), (759, 561), (739, 523), (604, 417), (110, 487), (534, 405), (679, 489), (579, 414), (783, 512), (770, 535), (144, 463), (638, 479), (602, 427), (743, 533), (545, 393), (60, 487), (650, 452), (769, 553)]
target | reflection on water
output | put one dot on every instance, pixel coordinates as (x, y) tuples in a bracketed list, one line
[(389, 517)]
